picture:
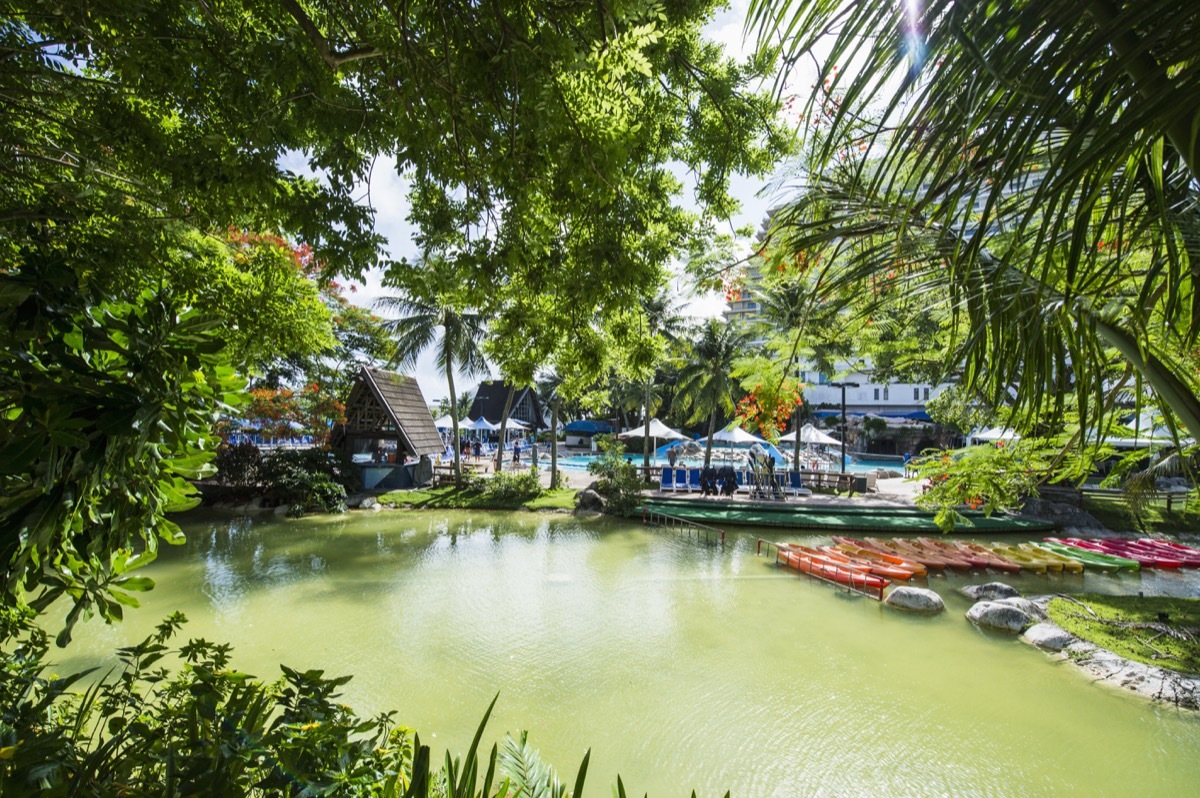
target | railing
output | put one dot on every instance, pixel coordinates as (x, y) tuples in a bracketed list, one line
[(840, 576), (709, 534)]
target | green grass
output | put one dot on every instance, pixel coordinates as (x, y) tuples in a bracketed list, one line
[(1114, 513), (1155, 630), (451, 498)]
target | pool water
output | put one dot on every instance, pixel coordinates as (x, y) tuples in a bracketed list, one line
[(681, 666)]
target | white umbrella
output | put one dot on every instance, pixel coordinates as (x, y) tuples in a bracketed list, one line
[(736, 435), (810, 434), (657, 430), (995, 434)]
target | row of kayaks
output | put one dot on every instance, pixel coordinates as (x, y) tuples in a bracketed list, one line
[(851, 560)]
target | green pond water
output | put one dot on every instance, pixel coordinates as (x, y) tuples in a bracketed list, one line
[(681, 666)]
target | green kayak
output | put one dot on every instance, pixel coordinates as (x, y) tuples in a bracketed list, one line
[(1108, 563)]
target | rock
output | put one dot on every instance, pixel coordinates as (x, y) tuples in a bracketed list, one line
[(995, 615), (1061, 515), (1050, 636), (990, 592), (376, 507), (915, 599), (1024, 605), (282, 509), (368, 503), (589, 499), (888, 473)]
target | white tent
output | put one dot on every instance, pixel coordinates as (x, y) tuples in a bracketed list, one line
[(445, 422), (481, 424), (658, 430), (514, 424), (810, 434)]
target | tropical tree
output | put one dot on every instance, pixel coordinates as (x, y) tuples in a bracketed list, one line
[(433, 300), (706, 382), (1032, 172), (661, 324)]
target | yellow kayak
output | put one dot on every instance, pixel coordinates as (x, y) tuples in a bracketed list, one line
[(1023, 558), (1069, 564)]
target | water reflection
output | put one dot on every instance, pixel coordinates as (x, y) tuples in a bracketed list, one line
[(681, 665)]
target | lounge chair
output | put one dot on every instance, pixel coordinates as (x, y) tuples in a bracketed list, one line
[(796, 486), (667, 481), (681, 480), (693, 479)]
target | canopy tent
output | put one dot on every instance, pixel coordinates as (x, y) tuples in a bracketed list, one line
[(445, 422), (514, 424), (480, 424), (993, 435), (810, 434), (658, 430)]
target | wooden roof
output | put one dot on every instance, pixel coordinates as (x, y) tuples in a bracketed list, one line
[(388, 404), (490, 399)]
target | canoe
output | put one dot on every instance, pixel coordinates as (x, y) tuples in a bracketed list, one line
[(947, 548), (1128, 549), (1069, 564), (845, 576), (878, 568), (890, 559), (995, 561), (1175, 546), (1124, 563), (1023, 558), (1092, 560)]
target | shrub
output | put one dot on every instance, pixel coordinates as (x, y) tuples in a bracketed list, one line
[(619, 480), (238, 465), (511, 486), (310, 479)]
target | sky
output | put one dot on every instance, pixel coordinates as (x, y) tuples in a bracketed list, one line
[(387, 193)]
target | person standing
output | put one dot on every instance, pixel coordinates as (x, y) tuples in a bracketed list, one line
[(672, 456)]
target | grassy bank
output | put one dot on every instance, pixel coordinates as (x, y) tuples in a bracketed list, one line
[(452, 498), (1114, 512), (1154, 630)]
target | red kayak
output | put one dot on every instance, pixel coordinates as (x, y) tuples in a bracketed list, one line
[(928, 559), (828, 570), (1187, 555), (918, 550), (948, 549)]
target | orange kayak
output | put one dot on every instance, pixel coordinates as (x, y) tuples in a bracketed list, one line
[(827, 570), (874, 566), (891, 559), (929, 559)]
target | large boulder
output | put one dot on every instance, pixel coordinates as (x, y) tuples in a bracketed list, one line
[(915, 599), (1024, 605), (1063, 516), (589, 499), (995, 615), (1050, 636), (990, 592)]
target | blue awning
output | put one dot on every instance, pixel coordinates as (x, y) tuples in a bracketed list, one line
[(587, 426)]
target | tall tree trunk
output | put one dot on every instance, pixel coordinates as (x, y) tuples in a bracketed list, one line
[(796, 451), (454, 422), (646, 437), (712, 423), (554, 441)]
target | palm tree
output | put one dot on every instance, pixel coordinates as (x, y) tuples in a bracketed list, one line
[(782, 306), (705, 382), (421, 312), (660, 315), (1033, 168)]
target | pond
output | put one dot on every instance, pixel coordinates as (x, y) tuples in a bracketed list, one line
[(680, 666)]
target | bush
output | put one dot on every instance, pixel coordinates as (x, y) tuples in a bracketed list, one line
[(310, 479), (619, 480), (511, 486), (238, 465)]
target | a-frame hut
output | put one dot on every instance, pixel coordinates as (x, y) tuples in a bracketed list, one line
[(389, 431), (490, 399)]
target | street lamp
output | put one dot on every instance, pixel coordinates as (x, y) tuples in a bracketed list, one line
[(844, 386)]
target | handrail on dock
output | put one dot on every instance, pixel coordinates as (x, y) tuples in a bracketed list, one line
[(850, 574), (711, 535)]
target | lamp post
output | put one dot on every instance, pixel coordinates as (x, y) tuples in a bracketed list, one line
[(844, 386)]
